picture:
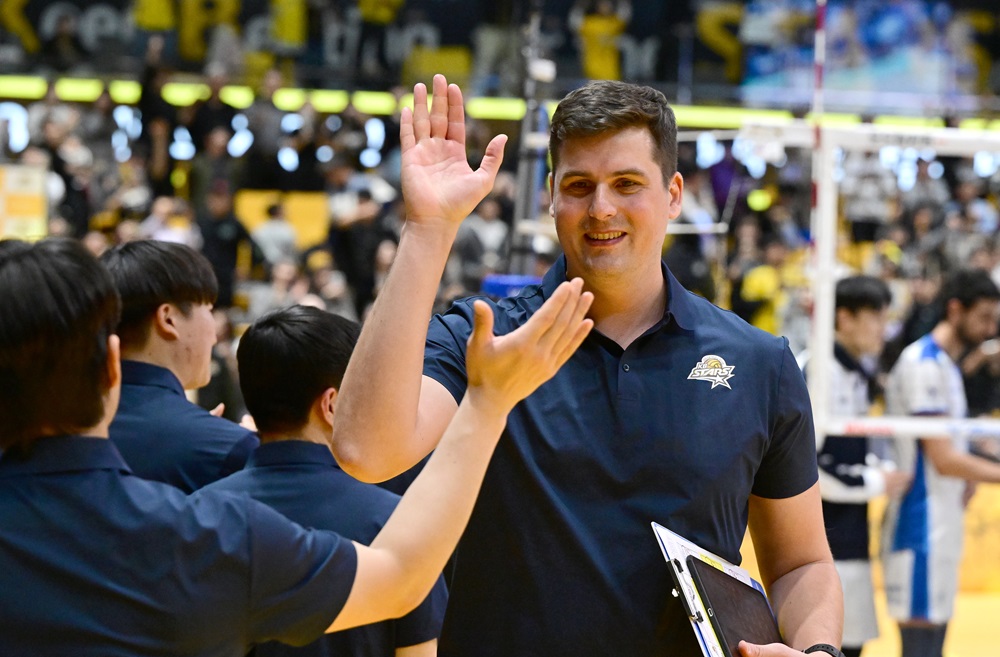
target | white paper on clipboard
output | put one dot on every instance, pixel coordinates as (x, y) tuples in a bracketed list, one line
[(676, 549)]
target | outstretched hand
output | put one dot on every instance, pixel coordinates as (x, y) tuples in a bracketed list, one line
[(506, 369), (439, 186)]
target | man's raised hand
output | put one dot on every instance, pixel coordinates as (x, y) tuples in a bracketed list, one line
[(439, 186)]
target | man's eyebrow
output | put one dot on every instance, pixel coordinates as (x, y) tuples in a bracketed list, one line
[(577, 173)]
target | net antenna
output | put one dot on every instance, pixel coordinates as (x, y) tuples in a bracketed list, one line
[(826, 140)]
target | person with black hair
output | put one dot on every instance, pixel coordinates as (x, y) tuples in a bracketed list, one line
[(923, 531), (167, 333), (96, 561), (291, 365), (849, 472)]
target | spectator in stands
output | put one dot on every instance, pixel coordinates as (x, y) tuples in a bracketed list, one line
[(63, 50), (482, 244), (167, 332), (155, 19), (354, 228), (759, 297), (870, 194), (264, 121), (291, 364), (927, 190), (599, 24), (211, 112), (167, 222), (286, 288), (211, 166), (497, 40), (222, 236), (376, 17), (276, 237)]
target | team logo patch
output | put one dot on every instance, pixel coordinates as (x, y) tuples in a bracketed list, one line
[(714, 369)]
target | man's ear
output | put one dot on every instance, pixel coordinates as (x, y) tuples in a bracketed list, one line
[(165, 321), (327, 404)]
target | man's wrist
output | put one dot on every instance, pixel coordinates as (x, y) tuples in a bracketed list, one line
[(824, 648)]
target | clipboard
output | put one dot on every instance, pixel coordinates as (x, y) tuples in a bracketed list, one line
[(706, 583)]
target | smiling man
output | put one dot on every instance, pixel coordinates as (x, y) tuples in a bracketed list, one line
[(672, 410)]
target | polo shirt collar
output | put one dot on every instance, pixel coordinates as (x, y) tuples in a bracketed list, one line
[(64, 454), (291, 452), (146, 374), (678, 308)]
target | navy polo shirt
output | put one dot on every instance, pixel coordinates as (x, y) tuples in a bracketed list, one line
[(302, 481), (679, 428), (97, 562), (164, 437)]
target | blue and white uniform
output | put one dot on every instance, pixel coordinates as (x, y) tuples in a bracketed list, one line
[(922, 538)]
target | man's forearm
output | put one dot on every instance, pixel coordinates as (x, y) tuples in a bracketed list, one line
[(808, 602), (377, 407)]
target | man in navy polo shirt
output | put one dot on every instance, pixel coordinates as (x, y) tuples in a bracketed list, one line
[(291, 363), (167, 332), (95, 561), (672, 410)]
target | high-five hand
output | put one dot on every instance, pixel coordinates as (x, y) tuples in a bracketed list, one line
[(508, 368), (439, 186)]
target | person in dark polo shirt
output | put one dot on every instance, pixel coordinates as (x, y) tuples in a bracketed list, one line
[(291, 364), (671, 411), (167, 333), (96, 562)]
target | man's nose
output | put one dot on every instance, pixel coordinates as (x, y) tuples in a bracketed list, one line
[(601, 205)]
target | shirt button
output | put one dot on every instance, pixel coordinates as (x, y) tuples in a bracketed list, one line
[(625, 367)]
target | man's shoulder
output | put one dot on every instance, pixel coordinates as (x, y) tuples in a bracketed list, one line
[(709, 320)]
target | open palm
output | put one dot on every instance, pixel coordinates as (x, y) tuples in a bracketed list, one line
[(439, 186)]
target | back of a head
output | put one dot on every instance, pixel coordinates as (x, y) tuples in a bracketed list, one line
[(287, 358), (59, 308), (149, 273), (856, 293), (606, 106), (968, 286)]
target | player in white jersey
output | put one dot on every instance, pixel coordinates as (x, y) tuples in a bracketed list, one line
[(922, 538)]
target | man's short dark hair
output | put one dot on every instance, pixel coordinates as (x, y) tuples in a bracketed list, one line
[(604, 106), (287, 358), (856, 293), (59, 306), (148, 274), (968, 286)]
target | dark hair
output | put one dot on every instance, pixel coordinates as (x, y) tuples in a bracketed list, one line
[(59, 308), (856, 293), (149, 274), (968, 286), (287, 358), (605, 106)]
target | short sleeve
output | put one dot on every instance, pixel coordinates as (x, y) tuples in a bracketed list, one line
[(789, 464), (423, 623), (444, 356), (925, 388), (300, 578)]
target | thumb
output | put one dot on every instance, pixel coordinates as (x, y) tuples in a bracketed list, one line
[(482, 327), (218, 410), (493, 157), (749, 649)]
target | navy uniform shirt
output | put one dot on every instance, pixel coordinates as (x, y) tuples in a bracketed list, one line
[(302, 481), (97, 562), (680, 428), (164, 437)]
